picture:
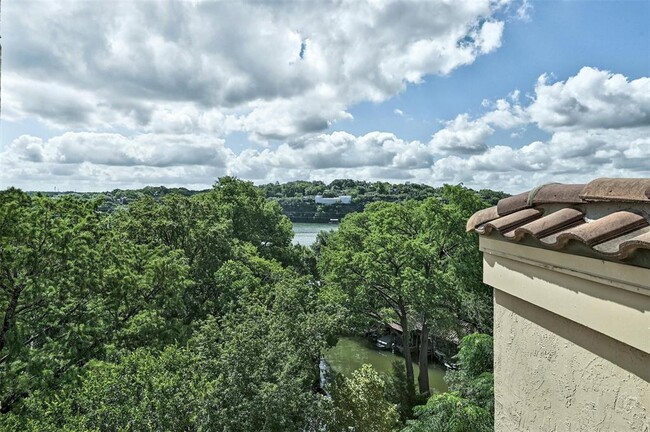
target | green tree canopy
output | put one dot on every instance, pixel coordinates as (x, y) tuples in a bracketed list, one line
[(359, 403), (448, 412), (405, 262)]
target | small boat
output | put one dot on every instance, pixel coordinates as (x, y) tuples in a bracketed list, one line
[(385, 342)]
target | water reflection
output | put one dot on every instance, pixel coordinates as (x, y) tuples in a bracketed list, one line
[(305, 233), (352, 352)]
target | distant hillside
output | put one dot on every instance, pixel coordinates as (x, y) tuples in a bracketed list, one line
[(296, 198), (120, 197)]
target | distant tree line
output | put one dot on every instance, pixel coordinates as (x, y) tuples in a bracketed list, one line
[(296, 198)]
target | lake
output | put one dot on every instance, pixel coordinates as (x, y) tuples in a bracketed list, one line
[(305, 233), (352, 352)]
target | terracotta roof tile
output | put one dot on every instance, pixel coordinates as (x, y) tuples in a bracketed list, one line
[(557, 239), (607, 189), (642, 241), (512, 204), (626, 244), (559, 193), (607, 217), (505, 223), (481, 217), (555, 222), (603, 229)]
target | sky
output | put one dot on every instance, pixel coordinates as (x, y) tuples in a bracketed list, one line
[(500, 94)]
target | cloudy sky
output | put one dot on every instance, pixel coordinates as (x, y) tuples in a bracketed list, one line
[(491, 93)]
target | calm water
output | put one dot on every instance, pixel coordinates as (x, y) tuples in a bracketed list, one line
[(350, 353), (305, 233)]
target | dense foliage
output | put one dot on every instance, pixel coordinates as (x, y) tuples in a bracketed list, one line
[(166, 309), (469, 404), (297, 198), (405, 263), (186, 313), (360, 405)]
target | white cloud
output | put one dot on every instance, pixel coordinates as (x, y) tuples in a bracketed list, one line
[(599, 124), (461, 136), (91, 161), (571, 157), (117, 150), (490, 36), (274, 70), (591, 99), (158, 87), (524, 10)]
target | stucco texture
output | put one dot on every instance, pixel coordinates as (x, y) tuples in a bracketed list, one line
[(552, 374)]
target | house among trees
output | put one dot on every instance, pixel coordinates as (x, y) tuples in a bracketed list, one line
[(343, 199), (570, 268)]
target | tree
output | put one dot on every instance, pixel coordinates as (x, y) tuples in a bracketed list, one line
[(359, 403), (112, 342), (448, 412), (254, 219), (143, 390), (401, 394), (399, 261), (359, 260), (469, 404), (72, 289), (474, 379)]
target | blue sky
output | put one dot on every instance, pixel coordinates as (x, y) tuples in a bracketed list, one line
[(559, 38), (500, 94)]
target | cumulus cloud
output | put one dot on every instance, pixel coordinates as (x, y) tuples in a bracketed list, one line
[(597, 141), (276, 70), (591, 99), (117, 150), (599, 126), (575, 156), (93, 160), (154, 90), (462, 136), (335, 152)]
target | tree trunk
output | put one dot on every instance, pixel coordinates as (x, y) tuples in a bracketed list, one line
[(406, 344), (8, 320), (423, 378)]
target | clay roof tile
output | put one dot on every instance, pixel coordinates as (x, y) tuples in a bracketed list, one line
[(512, 204), (611, 189), (557, 221), (605, 228), (610, 217), (625, 245), (505, 223), (559, 193), (481, 217)]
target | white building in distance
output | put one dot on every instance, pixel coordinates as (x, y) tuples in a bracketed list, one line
[(343, 199)]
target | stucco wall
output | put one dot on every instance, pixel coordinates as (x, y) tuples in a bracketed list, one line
[(552, 374)]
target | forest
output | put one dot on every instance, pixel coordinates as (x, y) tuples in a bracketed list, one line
[(195, 312), (296, 198)]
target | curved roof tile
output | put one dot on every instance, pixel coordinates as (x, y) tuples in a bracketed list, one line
[(606, 189), (547, 225), (505, 223), (610, 217)]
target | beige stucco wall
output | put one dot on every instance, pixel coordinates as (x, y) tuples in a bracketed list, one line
[(571, 341), (551, 374)]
